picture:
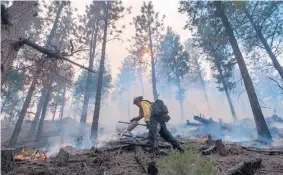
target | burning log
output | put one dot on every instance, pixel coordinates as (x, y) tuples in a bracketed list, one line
[(244, 168), (62, 157), (7, 159)]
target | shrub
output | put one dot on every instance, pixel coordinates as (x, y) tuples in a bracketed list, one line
[(189, 163)]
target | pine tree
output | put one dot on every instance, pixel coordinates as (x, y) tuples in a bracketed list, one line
[(149, 30), (113, 11), (175, 61), (15, 22), (214, 13)]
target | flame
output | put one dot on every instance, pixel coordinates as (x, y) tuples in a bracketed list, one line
[(34, 156), (121, 134), (20, 156)]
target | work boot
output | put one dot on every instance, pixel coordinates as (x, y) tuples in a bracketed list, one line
[(177, 146)]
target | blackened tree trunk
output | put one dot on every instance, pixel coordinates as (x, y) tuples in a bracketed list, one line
[(224, 83), (140, 71), (268, 49), (181, 101), (37, 114), (94, 126), (153, 77), (262, 129), (44, 109), (26, 104), (20, 15), (203, 87), (5, 101), (88, 82), (43, 90), (54, 112), (63, 102)]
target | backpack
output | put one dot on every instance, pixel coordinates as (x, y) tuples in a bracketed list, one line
[(160, 109)]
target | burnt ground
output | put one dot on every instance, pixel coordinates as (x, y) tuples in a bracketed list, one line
[(86, 162)]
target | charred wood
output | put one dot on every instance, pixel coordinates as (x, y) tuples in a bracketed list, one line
[(7, 159), (244, 168), (62, 158)]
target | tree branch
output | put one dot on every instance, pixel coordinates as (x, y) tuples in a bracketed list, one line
[(280, 86), (50, 53)]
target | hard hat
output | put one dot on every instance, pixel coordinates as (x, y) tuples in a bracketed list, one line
[(136, 99)]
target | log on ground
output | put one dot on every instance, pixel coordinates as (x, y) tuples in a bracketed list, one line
[(244, 168), (148, 166)]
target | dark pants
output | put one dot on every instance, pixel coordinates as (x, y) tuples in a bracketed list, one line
[(164, 132)]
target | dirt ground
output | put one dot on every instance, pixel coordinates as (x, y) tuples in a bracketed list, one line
[(118, 162)]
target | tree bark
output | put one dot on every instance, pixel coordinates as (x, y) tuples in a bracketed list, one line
[(88, 82), (26, 104), (37, 114), (272, 56), (224, 83), (5, 101), (94, 127), (141, 79), (63, 102), (20, 16), (54, 113), (181, 102), (203, 87), (44, 109), (153, 78), (262, 129)]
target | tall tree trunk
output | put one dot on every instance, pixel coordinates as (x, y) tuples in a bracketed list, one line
[(94, 126), (181, 102), (140, 71), (129, 101), (88, 81), (262, 129), (203, 87), (153, 77), (37, 114), (43, 90), (21, 14), (224, 83), (54, 113), (272, 56), (5, 101), (26, 104), (63, 102), (44, 109)]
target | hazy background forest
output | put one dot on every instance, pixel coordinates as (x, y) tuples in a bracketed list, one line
[(195, 81)]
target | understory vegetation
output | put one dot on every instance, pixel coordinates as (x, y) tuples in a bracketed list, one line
[(191, 162)]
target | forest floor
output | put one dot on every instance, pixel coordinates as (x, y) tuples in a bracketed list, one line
[(123, 161)]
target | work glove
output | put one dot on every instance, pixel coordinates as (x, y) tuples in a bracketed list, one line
[(133, 119), (147, 124)]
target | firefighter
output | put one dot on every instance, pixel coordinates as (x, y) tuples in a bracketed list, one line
[(151, 124)]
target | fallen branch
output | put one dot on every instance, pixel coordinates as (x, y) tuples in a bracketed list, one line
[(148, 166), (244, 168), (263, 151), (209, 151), (139, 157), (50, 53)]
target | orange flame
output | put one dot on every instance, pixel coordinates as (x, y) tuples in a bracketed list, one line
[(34, 156)]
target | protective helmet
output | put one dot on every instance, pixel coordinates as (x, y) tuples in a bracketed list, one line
[(136, 99)]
